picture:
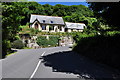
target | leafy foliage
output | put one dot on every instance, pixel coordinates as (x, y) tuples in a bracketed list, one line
[(44, 42), (10, 25), (100, 41), (74, 13), (104, 49), (18, 44), (107, 13)]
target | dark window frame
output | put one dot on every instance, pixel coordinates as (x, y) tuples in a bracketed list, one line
[(51, 21), (60, 28), (43, 21), (43, 27), (51, 27)]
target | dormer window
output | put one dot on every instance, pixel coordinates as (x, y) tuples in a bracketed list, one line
[(43, 21), (51, 21)]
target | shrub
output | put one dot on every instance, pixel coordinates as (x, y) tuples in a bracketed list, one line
[(78, 36), (17, 37), (6, 48), (42, 41), (112, 33), (104, 49), (52, 41), (18, 44)]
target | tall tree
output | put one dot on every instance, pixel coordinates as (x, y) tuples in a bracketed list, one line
[(10, 24), (107, 12), (48, 9)]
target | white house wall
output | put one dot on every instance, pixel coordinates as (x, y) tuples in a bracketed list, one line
[(69, 30), (80, 30), (39, 27), (58, 30), (55, 27), (47, 27), (76, 30), (63, 29)]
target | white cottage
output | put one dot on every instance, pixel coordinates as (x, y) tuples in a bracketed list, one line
[(47, 23), (74, 27)]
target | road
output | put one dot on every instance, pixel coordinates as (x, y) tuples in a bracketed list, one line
[(54, 62)]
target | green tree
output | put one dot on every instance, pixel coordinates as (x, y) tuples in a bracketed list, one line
[(48, 9), (10, 24), (107, 13), (59, 10)]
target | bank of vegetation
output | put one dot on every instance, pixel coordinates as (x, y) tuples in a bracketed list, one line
[(102, 46)]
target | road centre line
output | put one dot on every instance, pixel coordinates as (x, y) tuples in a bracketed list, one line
[(36, 67)]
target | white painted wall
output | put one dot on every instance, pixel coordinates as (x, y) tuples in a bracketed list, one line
[(47, 27), (69, 30), (63, 29)]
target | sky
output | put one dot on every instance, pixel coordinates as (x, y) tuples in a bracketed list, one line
[(75, 0), (58, 0), (64, 3)]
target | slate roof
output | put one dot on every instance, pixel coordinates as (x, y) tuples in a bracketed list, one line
[(47, 19), (70, 25)]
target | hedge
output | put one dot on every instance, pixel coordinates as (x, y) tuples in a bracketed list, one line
[(104, 49), (18, 44), (44, 42)]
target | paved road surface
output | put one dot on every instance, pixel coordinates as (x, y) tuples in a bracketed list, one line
[(54, 62), (0, 69)]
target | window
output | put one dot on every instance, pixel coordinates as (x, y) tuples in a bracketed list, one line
[(51, 27), (84, 26), (43, 27), (60, 28), (51, 21), (43, 21), (71, 29)]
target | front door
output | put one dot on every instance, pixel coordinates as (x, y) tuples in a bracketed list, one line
[(36, 26)]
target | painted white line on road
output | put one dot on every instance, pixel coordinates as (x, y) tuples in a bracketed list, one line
[(43, 54), (36, 67)]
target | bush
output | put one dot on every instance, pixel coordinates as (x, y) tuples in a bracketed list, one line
[(53, 40), (104, 49), (17, 37), (6, 48), (34, 31), (112, 33), (18, 44), (43, 42), (78, 36)]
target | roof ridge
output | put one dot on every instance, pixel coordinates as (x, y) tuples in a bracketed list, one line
[(46, 15), (73, 22)]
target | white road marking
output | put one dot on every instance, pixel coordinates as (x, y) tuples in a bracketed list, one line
[(36, 67)]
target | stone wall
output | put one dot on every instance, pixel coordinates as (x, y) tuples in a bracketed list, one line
[(68, 40), (31, 41)]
